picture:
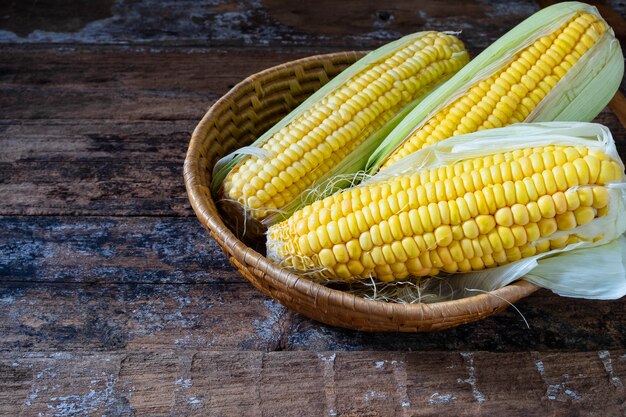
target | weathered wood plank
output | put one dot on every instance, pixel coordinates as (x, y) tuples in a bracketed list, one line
[(253, 22), (110, 250), (15, 382), (123, 83), (85, 103), (142, 383), (108, 67), (235, 316), (156, 317), (109, 168)]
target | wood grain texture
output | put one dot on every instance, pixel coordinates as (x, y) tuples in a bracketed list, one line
[(109, 168), (233, 315), (154, 317), (254, 23), (114, 301), (110, 250), (123, 83), (234, 383)]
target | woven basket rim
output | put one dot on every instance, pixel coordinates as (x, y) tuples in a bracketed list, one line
[(196, 192)]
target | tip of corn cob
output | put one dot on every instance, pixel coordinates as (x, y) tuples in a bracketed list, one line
[(563, 63)]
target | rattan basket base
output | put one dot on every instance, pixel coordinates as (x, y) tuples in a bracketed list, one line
[(238, 118)]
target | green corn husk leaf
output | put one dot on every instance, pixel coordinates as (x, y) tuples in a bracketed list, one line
[(349, 166), (579, 96), (585, 269)]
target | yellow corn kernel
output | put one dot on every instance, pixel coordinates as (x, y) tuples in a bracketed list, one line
[(510, 94), (584, 215), (465, 233), (317, 139)]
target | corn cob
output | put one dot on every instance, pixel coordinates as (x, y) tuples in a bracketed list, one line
[(519, 88), (466, 216), (320, 136)]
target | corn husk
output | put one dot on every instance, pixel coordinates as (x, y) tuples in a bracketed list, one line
[(589, 269), (579, 96)]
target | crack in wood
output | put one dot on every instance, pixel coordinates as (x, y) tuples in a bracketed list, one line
[(260, 382), (605, 357), (554, 387), (471, 380), (183, 399), (330, 393), (401, 383)]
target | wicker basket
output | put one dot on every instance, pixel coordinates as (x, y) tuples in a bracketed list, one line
[(239, 117)]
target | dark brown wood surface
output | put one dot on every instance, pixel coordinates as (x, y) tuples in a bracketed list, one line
[(114, 301)]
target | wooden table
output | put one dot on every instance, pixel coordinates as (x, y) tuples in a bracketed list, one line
[(114, 301)]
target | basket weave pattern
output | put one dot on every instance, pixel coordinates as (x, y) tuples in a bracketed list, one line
[(236, 120)]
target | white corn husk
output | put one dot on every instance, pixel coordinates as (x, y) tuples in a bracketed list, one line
[(587, 269)]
